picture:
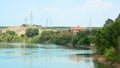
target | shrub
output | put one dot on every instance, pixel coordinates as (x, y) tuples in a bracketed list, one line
[(111, 54)]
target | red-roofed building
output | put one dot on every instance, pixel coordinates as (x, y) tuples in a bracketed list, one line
[(74, 30)]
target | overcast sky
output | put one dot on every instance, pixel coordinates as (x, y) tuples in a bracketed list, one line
[(58, 12)]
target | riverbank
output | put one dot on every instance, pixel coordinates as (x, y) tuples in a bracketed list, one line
[(80, 46), (103, 60)]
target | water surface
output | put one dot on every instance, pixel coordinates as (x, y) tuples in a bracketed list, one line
[(47, 56)]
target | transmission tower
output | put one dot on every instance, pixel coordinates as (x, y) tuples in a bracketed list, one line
[(90, 24), (31, 18)]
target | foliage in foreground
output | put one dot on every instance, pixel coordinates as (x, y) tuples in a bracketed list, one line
[(108, 40)]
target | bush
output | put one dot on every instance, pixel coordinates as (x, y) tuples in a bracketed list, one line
[(84, 41), (111, 54), (35, 40), (30, 32)]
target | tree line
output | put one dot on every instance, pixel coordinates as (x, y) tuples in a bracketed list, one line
[(53, 37)]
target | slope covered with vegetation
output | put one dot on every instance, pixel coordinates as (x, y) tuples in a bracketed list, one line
[(108, 40)]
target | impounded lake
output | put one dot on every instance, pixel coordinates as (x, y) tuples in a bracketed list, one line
[(46, 56)]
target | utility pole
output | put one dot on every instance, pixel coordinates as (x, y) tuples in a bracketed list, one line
[(25, 20), (90, 24), (31, 18), (46, 22), (51, 22)]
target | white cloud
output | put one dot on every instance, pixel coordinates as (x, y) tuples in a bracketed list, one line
[(96, 4), (89, 5), (79, 13)]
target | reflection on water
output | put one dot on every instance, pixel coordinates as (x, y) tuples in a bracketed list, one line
[(47, 56), (74, 58), (12, 45)]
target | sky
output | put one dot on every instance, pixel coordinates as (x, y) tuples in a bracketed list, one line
[(58, 12)]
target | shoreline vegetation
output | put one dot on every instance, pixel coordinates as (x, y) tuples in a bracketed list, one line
[(105, 40), (108, 43), (103, 60), (20, 46), (50, 37)]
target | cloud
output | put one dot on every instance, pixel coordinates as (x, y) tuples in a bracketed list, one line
[(80, 12), (97, 4), (88, 5), (91, 7)]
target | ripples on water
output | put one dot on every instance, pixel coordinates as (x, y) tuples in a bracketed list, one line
[(47, 56)]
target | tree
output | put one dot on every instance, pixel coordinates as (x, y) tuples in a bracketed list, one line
[(118, 17), (84, 41), (108, 22), (30, 32), (108, 36)]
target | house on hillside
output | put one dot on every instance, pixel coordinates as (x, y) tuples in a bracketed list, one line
[(76, 29)]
